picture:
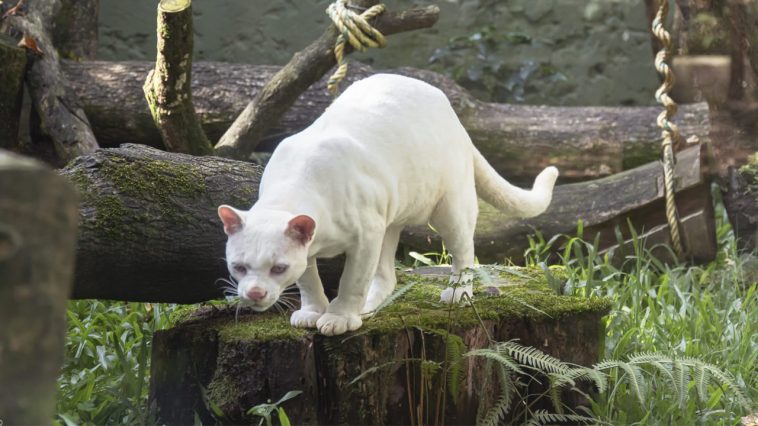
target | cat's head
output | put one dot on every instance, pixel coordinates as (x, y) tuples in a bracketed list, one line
[(267, 251)]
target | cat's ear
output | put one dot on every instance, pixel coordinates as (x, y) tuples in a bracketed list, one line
[(301, 228), (232, 219)]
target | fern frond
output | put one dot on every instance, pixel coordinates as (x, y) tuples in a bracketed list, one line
[(681, 378), (394, 296), (636, 380), (501, 358), (543, 417), (454, 347), (497, 413), (376, 368), (701, 382), (597, 377), (533, 357)]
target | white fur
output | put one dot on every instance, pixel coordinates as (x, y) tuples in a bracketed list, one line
[(389, 152)]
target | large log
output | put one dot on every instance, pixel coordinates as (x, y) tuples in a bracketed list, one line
[(38, 214), (149, 230), (519, 140), (213, 359)]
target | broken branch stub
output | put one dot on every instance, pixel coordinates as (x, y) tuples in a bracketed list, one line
[(168, 86)]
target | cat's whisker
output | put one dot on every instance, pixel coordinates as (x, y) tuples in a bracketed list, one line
[(237, 313)]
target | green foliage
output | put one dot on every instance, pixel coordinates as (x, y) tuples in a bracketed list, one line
[(107, 357), (265, 411)]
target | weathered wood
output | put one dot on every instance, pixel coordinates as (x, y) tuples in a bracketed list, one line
[(740, 189), (12, 67), (259, 357), (603, 205), (136, 197), (61, 116), (519, 140), (38, 214), (167, 87), (149, 228), (304, 69), (75, 31)]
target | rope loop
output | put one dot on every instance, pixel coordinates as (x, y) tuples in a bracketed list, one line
[(670, 131), (354, 29)]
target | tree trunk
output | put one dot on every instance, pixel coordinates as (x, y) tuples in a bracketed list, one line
[(214, 359), (584, 142), (75, 31), (740, 195), (303, 70), (12, 67), (38, 215), (61, 116), (137, 197), (167, 87)]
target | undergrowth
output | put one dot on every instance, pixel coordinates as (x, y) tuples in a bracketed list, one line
[(681, 345)]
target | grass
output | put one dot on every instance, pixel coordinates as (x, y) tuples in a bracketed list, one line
[(708, 312)]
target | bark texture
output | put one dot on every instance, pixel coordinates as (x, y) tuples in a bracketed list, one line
[(168, 87), (75, 29), (260, 357), (304, 69), (149, 223), (61, 117), (740, 195), (38, 215), (583, 142), (12, 67)]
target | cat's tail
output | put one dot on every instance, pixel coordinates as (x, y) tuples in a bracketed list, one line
[(492, 188)]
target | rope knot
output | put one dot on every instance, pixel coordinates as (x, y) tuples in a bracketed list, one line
[(354, 29)]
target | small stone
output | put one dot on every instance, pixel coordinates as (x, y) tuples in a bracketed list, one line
[(491, 291)]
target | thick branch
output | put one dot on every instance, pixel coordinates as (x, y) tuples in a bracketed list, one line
[(61, 117), (76, 33), (168, 87), (305, 68), (12, 66)]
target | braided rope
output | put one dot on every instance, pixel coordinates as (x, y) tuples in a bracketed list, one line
[(354, 29), (670, 131)]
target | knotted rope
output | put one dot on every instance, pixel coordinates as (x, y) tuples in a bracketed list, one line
[(670, 131), (354, 29)]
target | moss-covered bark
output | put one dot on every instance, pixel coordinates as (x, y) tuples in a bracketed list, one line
[(380, 374)]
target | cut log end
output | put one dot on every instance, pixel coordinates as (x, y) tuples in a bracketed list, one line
[(174, 6), (261, 357)]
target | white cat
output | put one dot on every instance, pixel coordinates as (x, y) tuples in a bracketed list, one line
[(389, 152)]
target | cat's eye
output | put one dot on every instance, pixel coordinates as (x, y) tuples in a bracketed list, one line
[(278, 269), (240, 269)]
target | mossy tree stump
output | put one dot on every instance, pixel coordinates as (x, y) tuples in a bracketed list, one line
[(217, 368)]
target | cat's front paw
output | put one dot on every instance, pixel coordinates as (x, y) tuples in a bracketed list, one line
[(334, 324), (305, 319)]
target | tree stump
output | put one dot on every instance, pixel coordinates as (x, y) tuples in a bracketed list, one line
[(13, 60), (391, 371), (38, 219)]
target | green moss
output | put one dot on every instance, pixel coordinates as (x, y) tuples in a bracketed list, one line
[(750, 172), (158, 179), (524, 293)]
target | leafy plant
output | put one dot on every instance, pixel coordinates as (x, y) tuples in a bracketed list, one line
[(265, 411)]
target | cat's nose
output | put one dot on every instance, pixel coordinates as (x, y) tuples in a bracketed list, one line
[(256, 294)]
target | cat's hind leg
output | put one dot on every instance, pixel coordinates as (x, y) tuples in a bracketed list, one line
[(313, 301), (455, 220), (384, 280)]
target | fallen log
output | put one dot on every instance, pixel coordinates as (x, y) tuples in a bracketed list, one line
[(12, 67), (38, 213), (519, 140), (149, 230), (394, 370), (606, 207)]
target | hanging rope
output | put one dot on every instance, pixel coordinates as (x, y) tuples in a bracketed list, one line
[(354, 29), (670, 131)]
